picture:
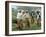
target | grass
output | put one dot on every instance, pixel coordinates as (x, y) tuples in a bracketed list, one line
[(33, 27)]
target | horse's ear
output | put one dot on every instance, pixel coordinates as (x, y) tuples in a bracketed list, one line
[(22, 10)]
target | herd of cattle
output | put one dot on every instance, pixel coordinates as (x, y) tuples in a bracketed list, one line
[(26, 19)]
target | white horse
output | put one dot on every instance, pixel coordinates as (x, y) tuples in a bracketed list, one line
[(23, 18)]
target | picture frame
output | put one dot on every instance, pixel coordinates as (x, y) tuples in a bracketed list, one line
[(11, 8)]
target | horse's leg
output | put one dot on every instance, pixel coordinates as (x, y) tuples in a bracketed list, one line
[(18, 24)]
